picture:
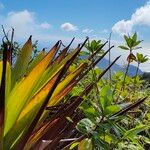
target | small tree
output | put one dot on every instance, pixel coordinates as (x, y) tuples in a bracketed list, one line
[(131, 43)]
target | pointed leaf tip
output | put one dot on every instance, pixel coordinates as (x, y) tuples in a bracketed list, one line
[(58, 43), (87, 38), (43, 49), (30, 38), (71, 42)]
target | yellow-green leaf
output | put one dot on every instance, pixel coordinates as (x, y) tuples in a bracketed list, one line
[(22, 61), (8, 77), (64, 83), (85, 144), (36, 60), (20, 94)]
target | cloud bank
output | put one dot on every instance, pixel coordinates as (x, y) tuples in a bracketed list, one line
[(140, 17)]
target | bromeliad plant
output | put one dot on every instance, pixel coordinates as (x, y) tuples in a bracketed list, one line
[(27, 87), (30, 88)]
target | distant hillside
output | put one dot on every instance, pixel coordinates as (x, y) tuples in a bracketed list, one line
[(132, 69), (146, 76)]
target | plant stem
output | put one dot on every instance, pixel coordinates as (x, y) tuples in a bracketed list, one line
[(136, 72), (94, 78), (123, 83), (126, 73), (136, 75), (109, 57), (78, 140)]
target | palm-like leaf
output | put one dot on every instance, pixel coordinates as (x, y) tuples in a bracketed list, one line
[(140, 58), (131, 42), (94, 45)]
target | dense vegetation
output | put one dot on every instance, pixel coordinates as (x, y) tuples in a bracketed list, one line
[(60, 99)]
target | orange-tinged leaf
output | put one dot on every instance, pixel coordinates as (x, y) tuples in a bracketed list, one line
[(20, 94), (64, 83), (39, 97), (44, 130), (63, 93), (36, 60), (64, 52), (64, 88), (131, 57), (51, 70), (35, 137)]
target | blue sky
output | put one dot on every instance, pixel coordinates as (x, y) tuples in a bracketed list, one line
[(52, 20)]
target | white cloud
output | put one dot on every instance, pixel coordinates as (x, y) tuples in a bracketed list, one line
[(22, 21), (45, 25), (2, 6), (140, 17), (25, 23), (87, 30), (68, 27), (123, 27)]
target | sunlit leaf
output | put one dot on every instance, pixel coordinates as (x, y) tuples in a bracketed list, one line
[(124, 47), (85, 144), (111, 109), (22, 61), (133, 132), (22, 91), (74, 145), (36, 60)]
